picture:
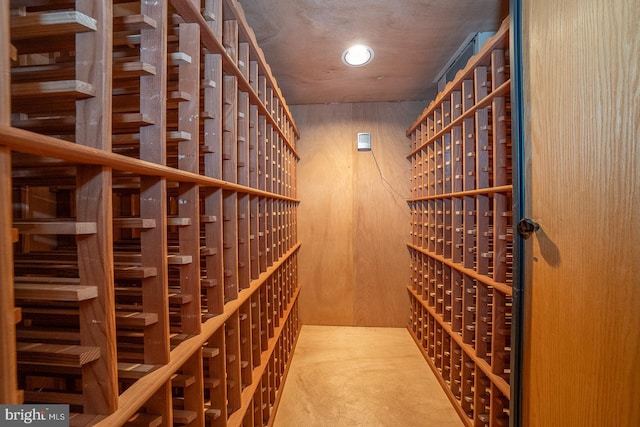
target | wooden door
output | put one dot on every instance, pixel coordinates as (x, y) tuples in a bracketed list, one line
[(582, 138)]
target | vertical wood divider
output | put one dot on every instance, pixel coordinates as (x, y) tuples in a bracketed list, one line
[(230, 199), (232, 346), (213, 168), (500, 175), (230, 129), (212, 12), (8, 363), (269, 214), (502, 237), (215, 359), (244, 267), (188, 160), (243, 59), (482, 248), (246, 353), (254, 231), (256, 329), (193, 393), (262, 184), (153, 194), (230, 39), (94, 204), (160, 403), (153, 200)]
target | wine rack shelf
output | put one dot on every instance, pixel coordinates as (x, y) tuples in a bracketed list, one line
[(149, 214), (462, 236)]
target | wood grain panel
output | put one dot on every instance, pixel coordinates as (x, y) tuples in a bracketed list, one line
[(324, 216), (353, 218), (583, 126), (413, 40), (381, 215), (94, 204)]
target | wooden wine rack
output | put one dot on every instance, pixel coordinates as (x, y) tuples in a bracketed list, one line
[(462, 233), (148, 213)]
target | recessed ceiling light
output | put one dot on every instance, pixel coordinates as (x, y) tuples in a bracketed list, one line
[(357, 55)]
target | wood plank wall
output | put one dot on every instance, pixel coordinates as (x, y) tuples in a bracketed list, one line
[(353, 224), (582, 339)]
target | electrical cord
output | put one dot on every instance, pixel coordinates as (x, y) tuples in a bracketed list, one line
[(402, 205)]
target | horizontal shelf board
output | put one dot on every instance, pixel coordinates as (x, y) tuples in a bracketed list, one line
[(74, 89), (479, 191), (50, 24), (54, 292), (210, 352), (34, 143), (56, 354), (178, 96), (134, 272), (128, 258), (123, 122), (181, 416), (487, 281), (133, 139), (179, 298), (47, 72), (13, 53), (127, 370), (212, 414), (127, 70), (143, 223), (177, 58), (32, 334), (179, 259), (55, 227), (46, 126), (178, 222), (126, 319), (133, 23)]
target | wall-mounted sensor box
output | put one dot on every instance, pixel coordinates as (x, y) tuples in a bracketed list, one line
[(364, 141)]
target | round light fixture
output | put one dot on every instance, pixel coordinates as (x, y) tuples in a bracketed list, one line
[(357, 55)]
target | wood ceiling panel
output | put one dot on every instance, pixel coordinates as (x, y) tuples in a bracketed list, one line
[(413, 39)]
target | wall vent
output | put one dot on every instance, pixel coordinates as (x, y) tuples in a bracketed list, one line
[(472, 45)]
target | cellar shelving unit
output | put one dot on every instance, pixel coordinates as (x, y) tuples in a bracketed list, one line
[(462, 236), (148, 225)]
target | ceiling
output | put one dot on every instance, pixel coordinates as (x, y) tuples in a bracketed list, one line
[(413, 40)]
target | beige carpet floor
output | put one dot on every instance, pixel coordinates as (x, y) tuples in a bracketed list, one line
[(346, 376)]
